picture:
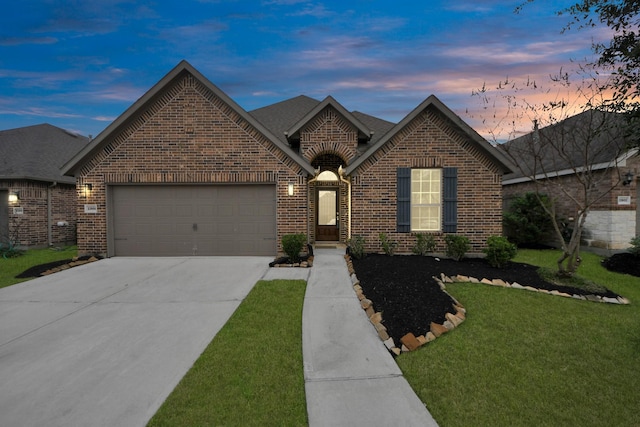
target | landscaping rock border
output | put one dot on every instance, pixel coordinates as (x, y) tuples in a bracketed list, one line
[(410, 342)]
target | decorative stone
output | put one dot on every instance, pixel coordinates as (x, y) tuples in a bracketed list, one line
[(421, 339), (460, 315), (389, 343), (430, 337), (473, 280), (453, 319), (410, 342), (623, 300), (610, 300), (530, 288), (516, 285), (396, 351), (365, 303), (370, 312), (383, 335), (437, 329), (486, 281), (593, 298), (576, 296), (376, 318), (447, 324), (93, 259), (500, 282)]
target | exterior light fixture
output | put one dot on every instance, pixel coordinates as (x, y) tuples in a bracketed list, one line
[(290, 189), (627, 178), (86, 189), (14, 197)]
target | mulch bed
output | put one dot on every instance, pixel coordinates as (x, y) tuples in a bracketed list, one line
[(38, 270), (402, 287)]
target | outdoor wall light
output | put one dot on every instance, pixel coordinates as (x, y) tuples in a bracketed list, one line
[(14, 197), (627, 178), (86, 189), (290, 189)]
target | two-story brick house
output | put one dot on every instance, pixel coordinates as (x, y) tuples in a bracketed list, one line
[(187, 171)]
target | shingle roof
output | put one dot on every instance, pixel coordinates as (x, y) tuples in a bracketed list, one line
[(37, 152), (592, 138), (279, 117)]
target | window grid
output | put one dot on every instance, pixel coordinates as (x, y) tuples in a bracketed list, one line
[(426, 200)]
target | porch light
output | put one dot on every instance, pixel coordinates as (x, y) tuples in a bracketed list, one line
[(86, 189), (627, 179), (290, 189), (14, 197)]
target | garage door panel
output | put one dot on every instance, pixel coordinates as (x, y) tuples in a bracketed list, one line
[(159, 220)]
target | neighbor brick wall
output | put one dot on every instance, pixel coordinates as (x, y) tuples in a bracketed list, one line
[(188, 135), (607, 182), (428, 141), (31, 227)]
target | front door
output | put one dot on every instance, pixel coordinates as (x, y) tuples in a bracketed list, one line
[(328, 219)]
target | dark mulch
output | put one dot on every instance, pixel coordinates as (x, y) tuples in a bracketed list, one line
[(402, 287), (36, 271), (624, 262)]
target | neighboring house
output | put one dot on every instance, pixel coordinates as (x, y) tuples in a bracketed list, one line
[(186, 171), (590, 138), (37, 202)]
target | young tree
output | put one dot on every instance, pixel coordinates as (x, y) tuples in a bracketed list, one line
[(575, 144)]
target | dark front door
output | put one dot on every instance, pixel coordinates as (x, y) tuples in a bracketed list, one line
[(328, 219)]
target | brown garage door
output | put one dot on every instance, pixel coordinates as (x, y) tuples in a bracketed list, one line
[(182, 220)]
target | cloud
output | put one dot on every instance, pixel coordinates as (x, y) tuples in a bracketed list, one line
[(18, 41)]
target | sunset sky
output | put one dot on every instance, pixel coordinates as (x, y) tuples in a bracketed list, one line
[(80, 64)]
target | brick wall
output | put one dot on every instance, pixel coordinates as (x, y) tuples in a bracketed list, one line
[(610, 221), (427, 142), (187, 135), (31, 228)]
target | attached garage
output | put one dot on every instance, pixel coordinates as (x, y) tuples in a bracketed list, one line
[(188, 220)]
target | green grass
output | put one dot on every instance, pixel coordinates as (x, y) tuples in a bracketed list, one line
[(11, 267), (252, 371), (528, 359)]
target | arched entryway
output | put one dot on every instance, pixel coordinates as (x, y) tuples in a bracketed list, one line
[(329, 192)]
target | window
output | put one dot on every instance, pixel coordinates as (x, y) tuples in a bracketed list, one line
[(426, 200)]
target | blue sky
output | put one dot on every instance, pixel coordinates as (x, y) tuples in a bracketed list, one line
[(79, 64)]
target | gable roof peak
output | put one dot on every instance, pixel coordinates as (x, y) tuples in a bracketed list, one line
[(329, 101)]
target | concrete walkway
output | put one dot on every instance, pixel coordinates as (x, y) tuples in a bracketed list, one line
[(351, 378)]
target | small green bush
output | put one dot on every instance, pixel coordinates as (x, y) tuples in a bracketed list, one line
[(292, 245), (635, 246), (499, 251), (425, 243), (356, 246), (388, 245), (457, 246)]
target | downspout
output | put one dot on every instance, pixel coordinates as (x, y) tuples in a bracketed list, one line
[(49, 214)]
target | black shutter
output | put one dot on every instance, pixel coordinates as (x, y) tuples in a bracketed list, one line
[(450, 200), (403, 195)]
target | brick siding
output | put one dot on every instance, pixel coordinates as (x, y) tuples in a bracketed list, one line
[(31, 228)]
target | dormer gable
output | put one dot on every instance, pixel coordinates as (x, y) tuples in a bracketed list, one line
[(328, 128)]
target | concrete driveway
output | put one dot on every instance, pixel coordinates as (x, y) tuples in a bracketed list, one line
[(105, 343)]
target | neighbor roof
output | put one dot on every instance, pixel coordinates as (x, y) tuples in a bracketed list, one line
[(594, 138), (37, 153)]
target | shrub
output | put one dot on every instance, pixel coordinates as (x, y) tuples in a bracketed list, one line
[(635, 246), (499, 251), (457, 246), (525, 221), (425, 243), (388, 245), (356, 246), (292, 245)]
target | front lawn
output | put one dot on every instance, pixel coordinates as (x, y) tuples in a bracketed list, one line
[(528, 359), (11, 267), (251, 374)]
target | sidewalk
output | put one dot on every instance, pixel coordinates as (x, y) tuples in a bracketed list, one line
[(351, 378)]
